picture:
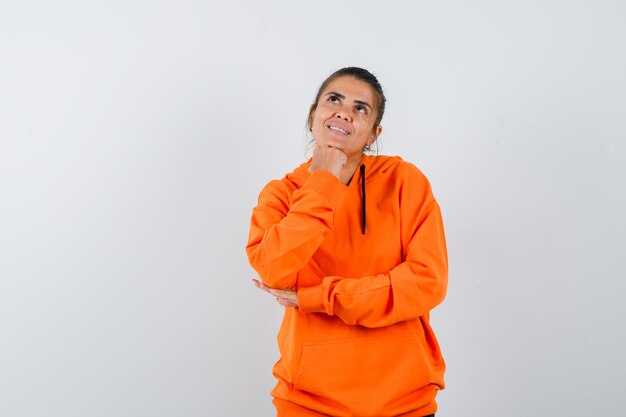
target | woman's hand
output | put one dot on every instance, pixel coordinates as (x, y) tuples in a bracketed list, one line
[(327, 158), (287, 298)]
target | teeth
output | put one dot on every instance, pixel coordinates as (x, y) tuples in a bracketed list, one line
[(338, 129)]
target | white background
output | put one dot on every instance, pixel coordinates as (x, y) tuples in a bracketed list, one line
[(136, 135)]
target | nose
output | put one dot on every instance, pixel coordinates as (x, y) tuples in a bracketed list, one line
[(343, 114)]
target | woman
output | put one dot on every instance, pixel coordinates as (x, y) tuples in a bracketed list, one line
[(353, 246)]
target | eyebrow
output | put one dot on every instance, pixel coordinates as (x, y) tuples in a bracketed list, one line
[(341, 96)]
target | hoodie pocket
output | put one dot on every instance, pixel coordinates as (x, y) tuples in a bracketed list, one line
[(363, 375)]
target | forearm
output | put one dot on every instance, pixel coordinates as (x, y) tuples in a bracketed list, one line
[(409, 290), (285, 231), (377, 300)]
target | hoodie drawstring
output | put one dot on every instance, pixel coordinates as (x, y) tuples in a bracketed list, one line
[(363, 216)]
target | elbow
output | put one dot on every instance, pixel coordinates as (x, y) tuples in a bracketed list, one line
[(271, 273), (439, 287), (432, 278), (274, 273), (439, 293), (279, 281), (438, 282)]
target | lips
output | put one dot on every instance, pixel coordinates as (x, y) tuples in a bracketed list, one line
[(339, 129)]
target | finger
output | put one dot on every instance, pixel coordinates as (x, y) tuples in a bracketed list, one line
[(290, 298), (261, 286), (285, 303), (288, 294)]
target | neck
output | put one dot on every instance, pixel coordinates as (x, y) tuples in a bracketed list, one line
[(349, 168)]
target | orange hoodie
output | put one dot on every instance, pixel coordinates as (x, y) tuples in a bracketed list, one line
[(360, 342)]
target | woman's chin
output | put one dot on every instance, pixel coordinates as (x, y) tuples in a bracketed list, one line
[(330, 143)]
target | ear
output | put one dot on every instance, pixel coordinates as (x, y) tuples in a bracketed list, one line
[(311, 115), (375, 134)]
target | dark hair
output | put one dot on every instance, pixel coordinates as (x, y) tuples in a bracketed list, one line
[(361, 75)]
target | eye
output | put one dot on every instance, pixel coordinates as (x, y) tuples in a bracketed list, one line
[(333, 99), (361, 109)]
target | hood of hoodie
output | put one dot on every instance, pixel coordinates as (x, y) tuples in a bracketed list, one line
[(371, 166), (374, 166)]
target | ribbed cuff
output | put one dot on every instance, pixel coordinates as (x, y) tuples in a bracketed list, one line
[(311, 299)]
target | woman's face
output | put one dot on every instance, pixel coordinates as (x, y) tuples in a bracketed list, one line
[(345, 116)]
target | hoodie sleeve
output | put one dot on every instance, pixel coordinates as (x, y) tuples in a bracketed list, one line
[(409, 290), (288, 226)]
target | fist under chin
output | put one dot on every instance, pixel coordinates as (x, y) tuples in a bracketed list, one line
[(326, 143)]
